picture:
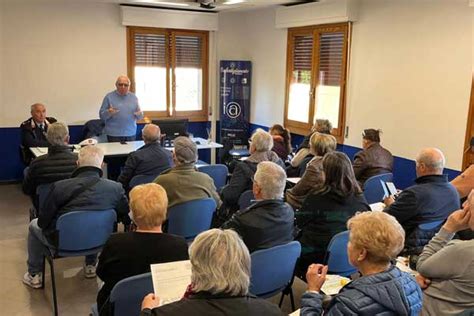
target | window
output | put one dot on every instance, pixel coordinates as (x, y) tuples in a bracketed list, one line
[(169, 71), (316, 77)]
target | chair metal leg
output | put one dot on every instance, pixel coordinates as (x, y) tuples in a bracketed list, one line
[(43, 273), (292, 300), (281, 299), (53, 284)]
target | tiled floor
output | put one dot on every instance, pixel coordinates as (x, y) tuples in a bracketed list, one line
[(75, 293)]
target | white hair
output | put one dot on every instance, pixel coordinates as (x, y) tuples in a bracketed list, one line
[(433, 159), (220, 263), (151, 133), (271, 179), (57, 134), (261, 140), (91, 156)]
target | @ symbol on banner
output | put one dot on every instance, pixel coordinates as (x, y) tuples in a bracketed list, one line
[(233, 109)]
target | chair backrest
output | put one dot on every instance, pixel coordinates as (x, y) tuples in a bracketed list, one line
[(190, 218), (273, 268), (141, 179), (42, 191), (218, 173), (84, 230), (245, 199), (430, 225), (336, 255), (373, 189), (127, 295)]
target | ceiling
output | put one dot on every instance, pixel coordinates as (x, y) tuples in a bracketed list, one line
[(213, 5)]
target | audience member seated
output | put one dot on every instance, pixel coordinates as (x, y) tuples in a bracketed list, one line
[(321, 126), (373, 159), (57, 164), (324, 213), (33, 130), (281, 141), (446, 267), (150, 159), (464, 183), (432, 198), (375, 239), (86, 190), (131, 253), (270, 221), (183, 182), (260, 150), (219, 282), (313, 177)]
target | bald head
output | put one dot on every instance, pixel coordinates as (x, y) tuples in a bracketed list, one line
[(430, 161), (122, 84), (151, 133)]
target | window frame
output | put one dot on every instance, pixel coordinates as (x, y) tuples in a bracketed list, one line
[(304, 128), (171, 113)]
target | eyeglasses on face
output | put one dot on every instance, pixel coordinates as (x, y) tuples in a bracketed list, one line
[(122, 84)]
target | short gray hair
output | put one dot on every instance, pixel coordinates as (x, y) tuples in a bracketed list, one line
[(151, 133), (261, 140), (33, 106), (91, 156), (57, 134), (271, 179), (433, 159), (323, 126), (220, 263), (185, 150)]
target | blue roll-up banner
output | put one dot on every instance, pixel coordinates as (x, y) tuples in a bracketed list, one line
[(235, 86)]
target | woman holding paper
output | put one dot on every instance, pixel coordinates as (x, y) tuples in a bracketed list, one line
[(219, 282), (375, 239), (131, 253)]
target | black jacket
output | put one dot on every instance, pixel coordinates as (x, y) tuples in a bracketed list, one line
[(63, 198), (57, 164), (150, 159), (323, 215), (32, 135), (264, 224), (372, 161), (432, 198), (205, 304)]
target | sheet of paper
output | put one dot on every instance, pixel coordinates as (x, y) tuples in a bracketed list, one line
[(293, 180), (295, 313), (334, 284), (379, 206), (170, 280)]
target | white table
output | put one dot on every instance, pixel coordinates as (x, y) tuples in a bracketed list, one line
[(118, 149)]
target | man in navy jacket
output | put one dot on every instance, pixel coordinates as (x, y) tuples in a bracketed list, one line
[(431, 199)]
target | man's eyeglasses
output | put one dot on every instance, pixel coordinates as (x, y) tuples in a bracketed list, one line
[(122, 84)]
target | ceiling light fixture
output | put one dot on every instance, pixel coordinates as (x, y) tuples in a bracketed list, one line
[(230, 2), (179, 4)]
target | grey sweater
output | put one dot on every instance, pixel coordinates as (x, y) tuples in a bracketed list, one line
[(450, 266)]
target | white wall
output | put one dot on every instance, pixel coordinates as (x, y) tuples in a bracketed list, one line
[(410, 75), (251, 35), (65, 55)]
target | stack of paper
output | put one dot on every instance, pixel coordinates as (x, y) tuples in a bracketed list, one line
[(170, 280)]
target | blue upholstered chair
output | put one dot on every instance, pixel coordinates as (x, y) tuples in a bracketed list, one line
[(127, 295), (273, 269), (245, 199), (80, 233), (373, 187), (218, 173), (337, 258), (190, 218), (141, 179)]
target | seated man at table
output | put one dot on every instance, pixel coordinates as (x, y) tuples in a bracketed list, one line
[(33, 130), (57, 164), (86, 190), (183, 182), (268, 222), (431, 199), (150, 159)]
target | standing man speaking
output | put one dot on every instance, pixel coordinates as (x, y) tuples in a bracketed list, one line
[(120, 112)]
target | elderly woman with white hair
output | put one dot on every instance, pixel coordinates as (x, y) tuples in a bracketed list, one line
[(269, 221), (261, 144), (375, 239), (220, 280), (184, 182)]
